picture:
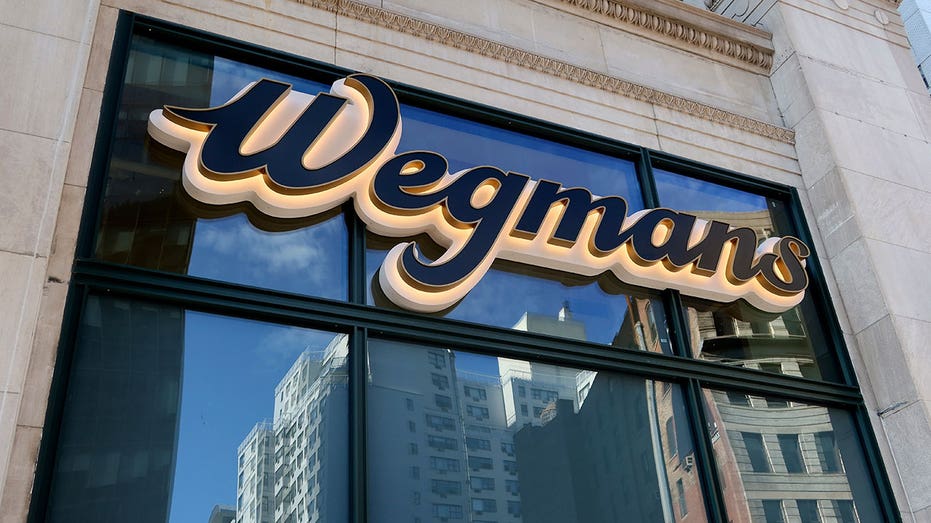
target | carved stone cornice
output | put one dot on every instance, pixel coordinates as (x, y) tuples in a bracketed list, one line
[(505, 53), (691, 27)]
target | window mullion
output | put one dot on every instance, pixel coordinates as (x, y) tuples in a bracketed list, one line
[(356, 230), (677, 323), (645, 177), (358, 347), (704, 450), (877, 471)]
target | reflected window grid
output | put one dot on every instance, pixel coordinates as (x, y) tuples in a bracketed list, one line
[(489, 459), (781, 462)]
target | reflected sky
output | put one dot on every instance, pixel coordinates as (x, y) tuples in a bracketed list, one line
[(502, 298), (304, 259), (231, 368), (683, 193), (310, 260)]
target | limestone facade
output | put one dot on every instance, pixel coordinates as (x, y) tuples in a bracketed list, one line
[(821, 95)]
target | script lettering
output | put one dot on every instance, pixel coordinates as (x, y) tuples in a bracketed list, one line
[(294, 155)]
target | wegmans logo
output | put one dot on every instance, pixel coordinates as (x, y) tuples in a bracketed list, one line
[(293, 154)]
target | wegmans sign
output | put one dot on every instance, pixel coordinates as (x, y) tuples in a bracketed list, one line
[(294, 154)]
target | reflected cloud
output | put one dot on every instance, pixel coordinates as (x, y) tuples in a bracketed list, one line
[(302, 261), (282, 346)]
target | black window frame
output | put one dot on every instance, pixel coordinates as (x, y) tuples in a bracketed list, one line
[(361, 321)]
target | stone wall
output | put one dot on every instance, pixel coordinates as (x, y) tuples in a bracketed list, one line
[(44, 62)]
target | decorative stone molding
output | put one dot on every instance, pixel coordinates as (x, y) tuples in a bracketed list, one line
[(406, 24), (694, 27)]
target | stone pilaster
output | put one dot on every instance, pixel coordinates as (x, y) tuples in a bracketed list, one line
[(845, 82)]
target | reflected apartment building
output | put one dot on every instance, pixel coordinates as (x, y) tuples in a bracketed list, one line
[(285, 465), (778, 461), (442, 447), (512, 441)]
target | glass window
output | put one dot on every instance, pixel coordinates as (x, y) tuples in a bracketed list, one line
[(512, 486), (446, 511), (772, 511), (845, 511), (478, 444), (737, 333), (442, 442), (475, 393), (791, 453), (441, 382), (443, 403), (446, 488), (148, 220), (756, 455), (680, 495), (483, 505), (477, 412), (515, 295), (808, 511), (671, 443), (170, 408), (588, 460), (828, 456), (756, 451), (444, 464), (479, 484), (440, 422), (480, 463)]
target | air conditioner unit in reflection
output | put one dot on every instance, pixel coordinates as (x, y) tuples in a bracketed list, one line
[(689, 462)]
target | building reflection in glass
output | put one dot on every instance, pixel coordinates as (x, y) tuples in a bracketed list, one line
[(454, 436), (779, 461), (784, 461), (457, 436), (293, 467)]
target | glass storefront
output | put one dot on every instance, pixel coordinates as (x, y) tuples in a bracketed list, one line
[(226, 366)]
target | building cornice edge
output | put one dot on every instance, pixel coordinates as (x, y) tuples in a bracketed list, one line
[(399, 22), (689, 27)]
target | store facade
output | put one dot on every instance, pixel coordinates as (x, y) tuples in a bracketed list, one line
[(391, 342)]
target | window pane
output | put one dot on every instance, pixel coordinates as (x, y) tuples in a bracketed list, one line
[(799, 459), (171, 415), (593, 447), (517, 295), (737, 333), (149, 221), (808, 511), (772, 511)]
